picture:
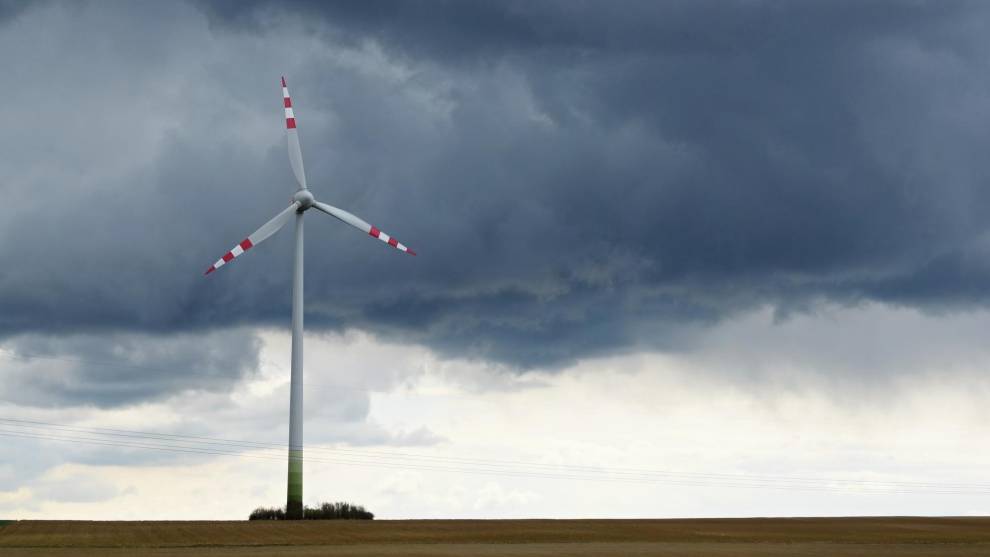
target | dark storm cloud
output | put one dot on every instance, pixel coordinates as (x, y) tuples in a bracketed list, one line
[(10, 8), (114, 369), (452, 30), (579, 178)]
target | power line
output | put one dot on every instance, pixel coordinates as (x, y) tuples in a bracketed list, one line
[(226, 447), (462, 460), (509, 473), (419, 459)]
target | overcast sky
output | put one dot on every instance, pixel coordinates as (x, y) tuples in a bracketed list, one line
[(746, 241)]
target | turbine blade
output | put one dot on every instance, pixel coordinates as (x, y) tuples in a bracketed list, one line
[(259, 235), (358, 223), (295, 153)]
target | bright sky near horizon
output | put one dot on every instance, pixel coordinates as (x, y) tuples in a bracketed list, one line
[(675, 259)]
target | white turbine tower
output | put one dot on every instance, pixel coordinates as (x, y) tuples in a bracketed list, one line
[(301, 202)]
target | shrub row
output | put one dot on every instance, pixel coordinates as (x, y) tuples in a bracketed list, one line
[(326, 511)]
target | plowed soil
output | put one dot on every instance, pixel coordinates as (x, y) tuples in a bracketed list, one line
[(811, 537)]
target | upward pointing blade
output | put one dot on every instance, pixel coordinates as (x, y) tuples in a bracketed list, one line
[(259, 235), (359, 223), (295, 153)]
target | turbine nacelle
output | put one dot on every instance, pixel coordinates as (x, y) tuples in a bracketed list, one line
[(304, 199)]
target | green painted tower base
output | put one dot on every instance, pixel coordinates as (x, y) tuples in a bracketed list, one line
[(294, 504)]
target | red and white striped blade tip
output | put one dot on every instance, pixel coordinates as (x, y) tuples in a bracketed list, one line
[(375, 232), (290, 117), (240, 248)]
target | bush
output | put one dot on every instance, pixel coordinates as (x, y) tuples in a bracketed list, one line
[(266, 513), (337, 511), (326, 511)]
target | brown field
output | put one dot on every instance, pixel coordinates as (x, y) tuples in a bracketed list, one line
[(810, 537)]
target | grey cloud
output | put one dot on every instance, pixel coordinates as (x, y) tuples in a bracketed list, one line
[(459, 31), (578, 179), (11, 8), (76, 489), (114, 369)]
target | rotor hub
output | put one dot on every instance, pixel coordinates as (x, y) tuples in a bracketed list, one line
[(304, 199)]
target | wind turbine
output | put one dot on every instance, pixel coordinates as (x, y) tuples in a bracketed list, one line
[(302, 201)]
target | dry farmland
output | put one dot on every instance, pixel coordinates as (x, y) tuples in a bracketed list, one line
[(834, 537)]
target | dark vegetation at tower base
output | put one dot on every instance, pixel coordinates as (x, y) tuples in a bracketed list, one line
[(326, 511)]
